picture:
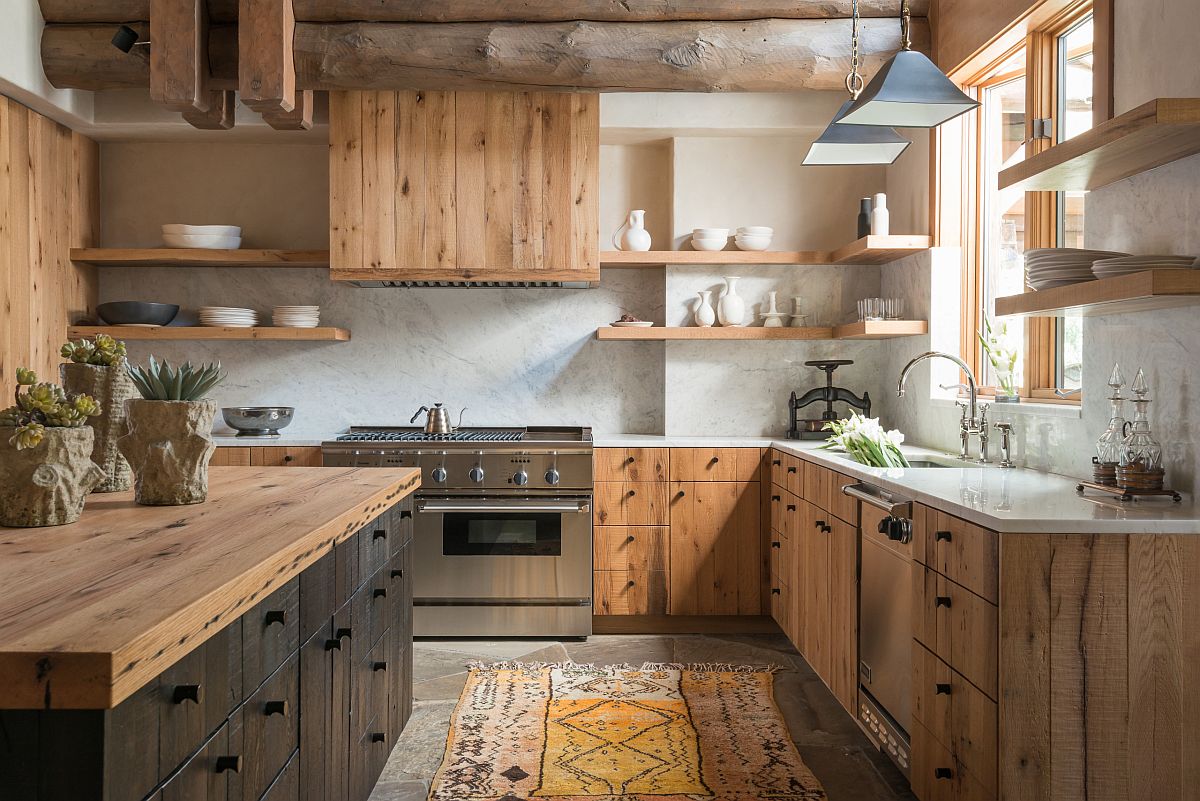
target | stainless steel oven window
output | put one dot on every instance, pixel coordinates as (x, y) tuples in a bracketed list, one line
[(501, 534)]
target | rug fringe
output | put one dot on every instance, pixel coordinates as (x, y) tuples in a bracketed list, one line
[(692, 667)]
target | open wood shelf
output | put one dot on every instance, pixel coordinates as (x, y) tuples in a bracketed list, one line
[(873, 330), (868, 250), (198, 257), (1149, 136), (184, 332), (1153, 289)]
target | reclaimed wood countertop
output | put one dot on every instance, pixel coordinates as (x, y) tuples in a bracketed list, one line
[(91, 611)]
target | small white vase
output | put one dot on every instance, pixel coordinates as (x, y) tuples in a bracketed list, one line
[(799, 318), (731, 309), (880, 221), (632, 235), (705, 314)]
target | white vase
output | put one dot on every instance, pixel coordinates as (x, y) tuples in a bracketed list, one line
[(731, 309), (772, 318), (632, 235), (799, 318), (705, 314), (880, 222)]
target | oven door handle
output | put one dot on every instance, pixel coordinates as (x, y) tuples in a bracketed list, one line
[(517, 506), (881, 499)]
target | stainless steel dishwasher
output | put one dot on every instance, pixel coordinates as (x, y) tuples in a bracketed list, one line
[(885, 619)]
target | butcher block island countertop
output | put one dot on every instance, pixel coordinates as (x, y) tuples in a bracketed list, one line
[(92, 611)]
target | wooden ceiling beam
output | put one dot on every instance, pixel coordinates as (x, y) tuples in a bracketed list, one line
[(226, 11), (267, 70), (179, 54), (300, 118), (218, 116)]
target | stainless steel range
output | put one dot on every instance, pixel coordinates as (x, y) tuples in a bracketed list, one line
[(503, 530)]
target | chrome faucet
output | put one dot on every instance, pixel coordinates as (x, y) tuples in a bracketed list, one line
[(973, 420)]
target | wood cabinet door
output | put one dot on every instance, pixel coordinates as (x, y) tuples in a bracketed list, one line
[(633, 591), (230, 457), (461, 186), (817, 539), (843, 613), (716, 548), (715, 464), (630, 464), (278, 456), (621, 503)]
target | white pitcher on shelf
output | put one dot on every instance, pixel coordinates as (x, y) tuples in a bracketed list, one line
[(632, 235), (731, 309)]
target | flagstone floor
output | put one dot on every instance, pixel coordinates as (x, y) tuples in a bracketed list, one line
[(849, 767)]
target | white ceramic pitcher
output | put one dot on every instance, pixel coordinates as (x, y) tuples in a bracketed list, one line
[(632, 235)]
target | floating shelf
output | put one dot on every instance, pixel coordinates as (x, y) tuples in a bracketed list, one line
[(872, 330), (192, 332), (198, 257), (868, 250), (1153, 289), (1149, 136)]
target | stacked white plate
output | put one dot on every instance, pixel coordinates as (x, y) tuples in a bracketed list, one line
[(226, 317), (1126, 265), (208, 237), (296, 316), (1046, 268)]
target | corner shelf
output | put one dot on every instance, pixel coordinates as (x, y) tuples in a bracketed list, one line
[(868, 250), (872, 330), (198, 332), (1149, 136), (1153, 289), (199, 257)]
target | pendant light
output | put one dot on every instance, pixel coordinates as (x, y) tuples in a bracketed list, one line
[(855, 144), (909, 91)]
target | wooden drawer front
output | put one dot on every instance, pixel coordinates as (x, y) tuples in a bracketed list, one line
[(369, 691), (399, 584), (793, 474), (778, 504), (369, 755), (842, 505), (205, 777), (781, 605), (627, 503), (793, 516), (270, 728), (402, 525), (782, 553), (369, 615), (347, 576), (285, 457), (287, 786), (631, 548), (630, 464), (961, 718), (317, 596), (958, 626), (818, 486), (316, 720), (196, 694), (270, 634), (374, 547), (399, 680), (630, 592), (715, 464), (937, 776), (963, 552), (230, 457), (777, 463)]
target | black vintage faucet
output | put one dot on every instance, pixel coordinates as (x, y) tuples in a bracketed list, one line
[(811, 429)]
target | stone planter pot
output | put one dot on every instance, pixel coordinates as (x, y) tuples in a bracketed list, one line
[(169, 446), (111, 387), (46, 485)]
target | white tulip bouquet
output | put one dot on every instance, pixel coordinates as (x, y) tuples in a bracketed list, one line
[(865, 440)]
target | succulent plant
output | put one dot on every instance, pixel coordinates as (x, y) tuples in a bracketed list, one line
[(43, 406), (159, 381), (103, 351)]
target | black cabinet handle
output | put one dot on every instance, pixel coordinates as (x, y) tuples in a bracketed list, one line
[(378, 737), (405, 514), (632, 493), (275, 708), (631, 538), (397, 574), (681, 494), (791, 507), (775, 544), (378, 666), (288, 458), (943, 773), (333, 645), (774, 590), (774, 497), (274, 616), (188, 692), (792, 469), (942, 536), (941, 689), (776, 462), (631, 583), (824, 527), (379, 534), (379, 592), (714, 460), (942, 600), (630, 460), (231, 763), (342, 634)]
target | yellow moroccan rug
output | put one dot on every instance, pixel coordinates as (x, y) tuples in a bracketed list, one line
[(570, 732)]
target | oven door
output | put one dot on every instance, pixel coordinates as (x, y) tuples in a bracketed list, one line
[(503, 551)]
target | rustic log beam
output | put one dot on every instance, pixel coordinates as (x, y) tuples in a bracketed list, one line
[(225, 11), (300, 118), (761, 56), (179, 54), (267, 71), (218, 116)]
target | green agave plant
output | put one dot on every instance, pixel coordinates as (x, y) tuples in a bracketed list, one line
[(159, 381), (43, 406)]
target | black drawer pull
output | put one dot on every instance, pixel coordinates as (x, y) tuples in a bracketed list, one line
[(397, 574), (288, 458), (942, 536), (405, 514), (378, 666), (824, 527), (681, 494), (774, 497), (942, 600), (378, 737), (776, 462), (224, 763), (379, 534), (333, 645), (631, 493), (943, 773), (791, 507), (188, 692), (775, 544), (941, 689), (714, 460), (342, 634), (379, 592), (631, 538), (274, 616), (631, 583), (792, 469), (774, 590), (276, 707)]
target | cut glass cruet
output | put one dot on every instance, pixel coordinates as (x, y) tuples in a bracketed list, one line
[(1108, 447), (1140, 451)]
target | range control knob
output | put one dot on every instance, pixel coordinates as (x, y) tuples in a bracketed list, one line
[(476, 474), (552, 477), (438, 475), (520, 478)]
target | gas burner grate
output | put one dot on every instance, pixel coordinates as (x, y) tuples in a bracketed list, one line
[(420, 436)]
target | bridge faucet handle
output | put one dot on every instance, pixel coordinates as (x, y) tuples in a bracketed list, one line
[(983, 421), (963, 408)]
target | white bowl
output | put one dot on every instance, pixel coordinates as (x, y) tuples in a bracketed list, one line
[(707, 232), (206, 241), (752, 242), (203, 230), (709, 244), (756, 230)]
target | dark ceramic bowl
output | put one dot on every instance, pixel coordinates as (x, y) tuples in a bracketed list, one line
[(136, 312)]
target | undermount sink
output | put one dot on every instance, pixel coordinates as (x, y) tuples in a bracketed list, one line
[(921, 464), (913, 463)]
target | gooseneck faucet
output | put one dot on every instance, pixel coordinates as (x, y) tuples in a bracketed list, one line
[(974, 420)]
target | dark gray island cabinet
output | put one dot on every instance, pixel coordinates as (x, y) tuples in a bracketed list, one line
[(300, 696)]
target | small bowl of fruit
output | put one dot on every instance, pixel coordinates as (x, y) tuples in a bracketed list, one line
[(629, 321)]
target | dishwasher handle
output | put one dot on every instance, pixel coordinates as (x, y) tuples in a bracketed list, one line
[(483, 506), (894, 505)]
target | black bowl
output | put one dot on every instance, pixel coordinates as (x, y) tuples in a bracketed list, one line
[(136, 312)]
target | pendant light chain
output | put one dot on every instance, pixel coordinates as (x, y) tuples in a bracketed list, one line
[(905, 25), (854, 81)]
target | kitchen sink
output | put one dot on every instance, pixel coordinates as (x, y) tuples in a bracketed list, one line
[(921, 464), (917, 464)]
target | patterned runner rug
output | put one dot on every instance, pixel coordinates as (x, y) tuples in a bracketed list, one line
[(571, 732)]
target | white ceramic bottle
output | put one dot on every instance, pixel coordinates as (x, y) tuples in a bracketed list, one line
[(731, 309), (632, 235), (705, 314), (879, 215)]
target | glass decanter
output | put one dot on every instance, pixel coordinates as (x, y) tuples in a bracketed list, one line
[(1108, 447), (1139, 450)]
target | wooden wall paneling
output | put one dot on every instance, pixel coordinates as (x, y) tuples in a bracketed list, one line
[(378, 179), (499, 189), (409, 205), (470, 166), (585, 184), (528, 166), (346, 181), (14, 243), (40, 260), (441, 243)]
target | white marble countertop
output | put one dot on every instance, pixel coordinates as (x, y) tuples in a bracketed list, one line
[(1016, 501), (229, 440)]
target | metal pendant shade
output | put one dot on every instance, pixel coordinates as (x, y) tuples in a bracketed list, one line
[(908, 92), (855, 144)]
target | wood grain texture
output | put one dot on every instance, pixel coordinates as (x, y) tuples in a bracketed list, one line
[(182, 332), (631, 464), (179, 58), (716, 554), (99, 607), (715, 464), (631, 548), (965, 553), (346, 179), (266, 69), (1146, 291), (630, 503), (197, 257), (231, 457), (634, 591), (843, 614)]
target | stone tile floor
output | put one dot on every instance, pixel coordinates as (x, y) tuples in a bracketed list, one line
[(849, 767)]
